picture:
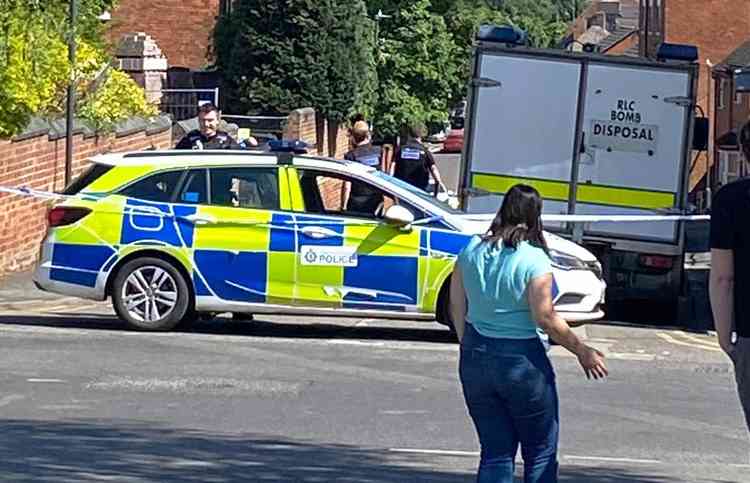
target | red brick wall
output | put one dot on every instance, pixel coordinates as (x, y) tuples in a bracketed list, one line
[(717, 27), (302, 125), (182, 29), (39, 163)]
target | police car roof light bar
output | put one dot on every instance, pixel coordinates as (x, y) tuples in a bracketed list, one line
[(679, 52), (507, 34), (288, 146)]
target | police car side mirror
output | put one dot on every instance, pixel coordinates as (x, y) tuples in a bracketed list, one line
[(398, 216)]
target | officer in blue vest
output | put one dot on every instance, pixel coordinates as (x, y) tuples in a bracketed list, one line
[(414, 163), (359, 197)]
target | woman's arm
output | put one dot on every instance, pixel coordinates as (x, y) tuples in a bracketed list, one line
[(539, 292), (457, 302)]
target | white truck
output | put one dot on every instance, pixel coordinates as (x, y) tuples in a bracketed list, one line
[(595, 135)]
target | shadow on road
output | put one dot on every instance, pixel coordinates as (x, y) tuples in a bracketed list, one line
[(85, 451), (258, 328), (78, 450)]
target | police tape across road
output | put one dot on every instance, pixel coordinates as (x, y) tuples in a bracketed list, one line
[(47, 195)]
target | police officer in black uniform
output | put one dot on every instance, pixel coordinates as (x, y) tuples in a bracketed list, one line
[(359, 197), (208, 136), (414, 163)]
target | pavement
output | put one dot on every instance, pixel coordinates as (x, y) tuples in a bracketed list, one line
[(19, 287)]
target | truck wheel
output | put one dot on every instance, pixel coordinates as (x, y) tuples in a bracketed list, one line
[(150, 294)]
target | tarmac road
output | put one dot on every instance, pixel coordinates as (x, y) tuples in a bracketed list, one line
[(289, 399)]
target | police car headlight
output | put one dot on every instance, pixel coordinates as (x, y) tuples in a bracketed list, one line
[(564, 261), (596, 267)]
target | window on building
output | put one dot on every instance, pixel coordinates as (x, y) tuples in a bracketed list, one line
[(722, 94), (730, 166)]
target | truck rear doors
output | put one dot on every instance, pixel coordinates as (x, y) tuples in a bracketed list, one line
[(594, 134)]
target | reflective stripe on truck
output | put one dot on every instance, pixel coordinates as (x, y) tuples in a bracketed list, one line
[(587, 193)]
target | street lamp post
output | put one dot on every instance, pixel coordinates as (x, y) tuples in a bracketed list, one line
[(70, 109)]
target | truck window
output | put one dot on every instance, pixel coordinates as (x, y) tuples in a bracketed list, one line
[(91, 174)]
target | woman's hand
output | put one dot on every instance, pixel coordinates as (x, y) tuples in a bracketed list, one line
[(592, 362)]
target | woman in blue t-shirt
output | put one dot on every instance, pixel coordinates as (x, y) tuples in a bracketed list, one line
[(501, 293)]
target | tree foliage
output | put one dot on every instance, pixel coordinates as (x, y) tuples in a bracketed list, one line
[(418, 65), (279, 55), (34, 66), (445, 30)]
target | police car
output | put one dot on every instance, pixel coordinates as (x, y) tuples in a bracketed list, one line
[(171, 235)]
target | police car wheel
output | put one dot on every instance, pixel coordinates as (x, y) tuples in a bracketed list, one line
[(150, 294)]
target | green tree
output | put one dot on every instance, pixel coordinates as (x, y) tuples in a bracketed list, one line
[(34, 66), (418, 66), (279, 55), (539, 18)]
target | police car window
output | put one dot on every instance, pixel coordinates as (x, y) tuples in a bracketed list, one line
[(246, 187), (423, 195), (324, 193), (92, 173), (158, 187), (195, 188)]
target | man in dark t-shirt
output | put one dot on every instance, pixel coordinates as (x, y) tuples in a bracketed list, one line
[(208, 136), (358, 197), (414, 163), (729, 284)]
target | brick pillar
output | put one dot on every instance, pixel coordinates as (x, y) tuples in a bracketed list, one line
[(302, 126), (138, 55)]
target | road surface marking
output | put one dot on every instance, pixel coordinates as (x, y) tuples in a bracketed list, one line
[(612, 460), (46, 380), (9, 399), (441, 452), (401, 413), (674, 341), (54, 308), (708, 343)]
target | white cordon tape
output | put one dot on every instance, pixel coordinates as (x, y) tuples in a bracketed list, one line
[(622, 218), (34, 193), (546, 218)]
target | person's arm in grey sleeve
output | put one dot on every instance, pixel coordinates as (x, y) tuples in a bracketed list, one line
[(721, 279), (721, 293)]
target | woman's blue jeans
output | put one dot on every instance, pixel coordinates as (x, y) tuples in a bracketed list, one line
[(509, 387)]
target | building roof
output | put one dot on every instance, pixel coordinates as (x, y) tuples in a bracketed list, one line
[(615, 37), (740, 57), (627, 22)]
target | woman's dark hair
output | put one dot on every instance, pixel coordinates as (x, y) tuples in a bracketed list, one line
[(519, 219)]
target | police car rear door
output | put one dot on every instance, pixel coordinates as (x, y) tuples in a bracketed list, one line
[(635, 133)]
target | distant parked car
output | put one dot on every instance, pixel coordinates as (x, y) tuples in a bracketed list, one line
[(454, 143)]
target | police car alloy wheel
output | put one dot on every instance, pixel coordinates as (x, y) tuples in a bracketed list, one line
[(150, 294)]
